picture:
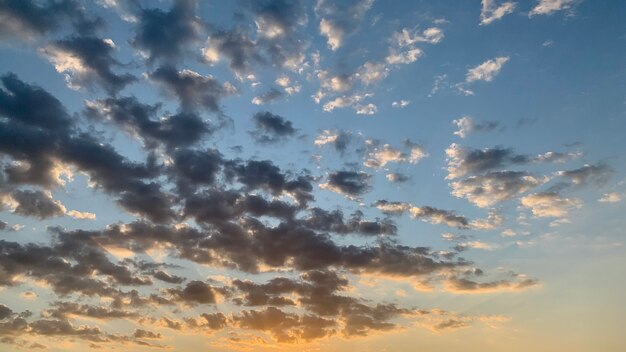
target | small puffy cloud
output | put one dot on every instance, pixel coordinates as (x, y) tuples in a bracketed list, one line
[(548, 7), (267, 97), (366, 109), (354, 101), (404, 57), (556, 157), (425, 213), (495, 187), (371, 72), (379, 157), (491, 11), (338, 139), (166, 35), (192, 89), (597, 174), (461, 285), (486, 71), (463, 161), (397, 177), (339, 20), (407, 37), (476, 245), (550, 204), (286, 84), (612, 197), (401, 103), (466, 125), (82, 215), (350, 184), (39, 204), (86, 61), (271, 128)]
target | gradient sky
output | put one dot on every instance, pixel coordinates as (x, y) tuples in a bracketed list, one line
[(312, 175)]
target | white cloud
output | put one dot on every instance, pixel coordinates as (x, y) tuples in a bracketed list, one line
[(547, 7), (549, 204), (83, 215), (612, 197), (491, 12), (407, 37), (326, 137), (366, 109), (400, 104), (486, 71)]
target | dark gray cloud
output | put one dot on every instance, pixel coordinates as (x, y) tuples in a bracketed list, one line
[(267, 96), (266, 176), (317, 291), (166, 35), (28, 18), (31, 105), (142, 121), (333, 221), (426, 213), (172, 279), (271, 128), (463, 161), (196, 292), (37, 204), (145, 334), (64, 310), (351, 184), (597, 174), (274, 40), (87, 61), (192, 89)]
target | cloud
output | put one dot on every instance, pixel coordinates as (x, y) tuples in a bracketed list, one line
[(464, 286), (597, 174), (612, 197), (266, 97), (340, 20), (466, 125), (378, 157), (271, 128), (492, 12), (339, 139), (39, 204), (400, 104), (495, 187), (196, 292), (354, 101), (550, 204), (426, 213), (87, 61), (464, 161), (486, 71), (142, 121), (397, 177), (192, 89), (350, 184), (32, 19), (278, 42), (165, 35), (548, 7)]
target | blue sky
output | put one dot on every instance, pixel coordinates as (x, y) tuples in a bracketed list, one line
[(444, 174)]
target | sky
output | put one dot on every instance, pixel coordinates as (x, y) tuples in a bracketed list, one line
[(359, 175)]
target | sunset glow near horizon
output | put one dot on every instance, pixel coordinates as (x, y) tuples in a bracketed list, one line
[(360, 175)]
